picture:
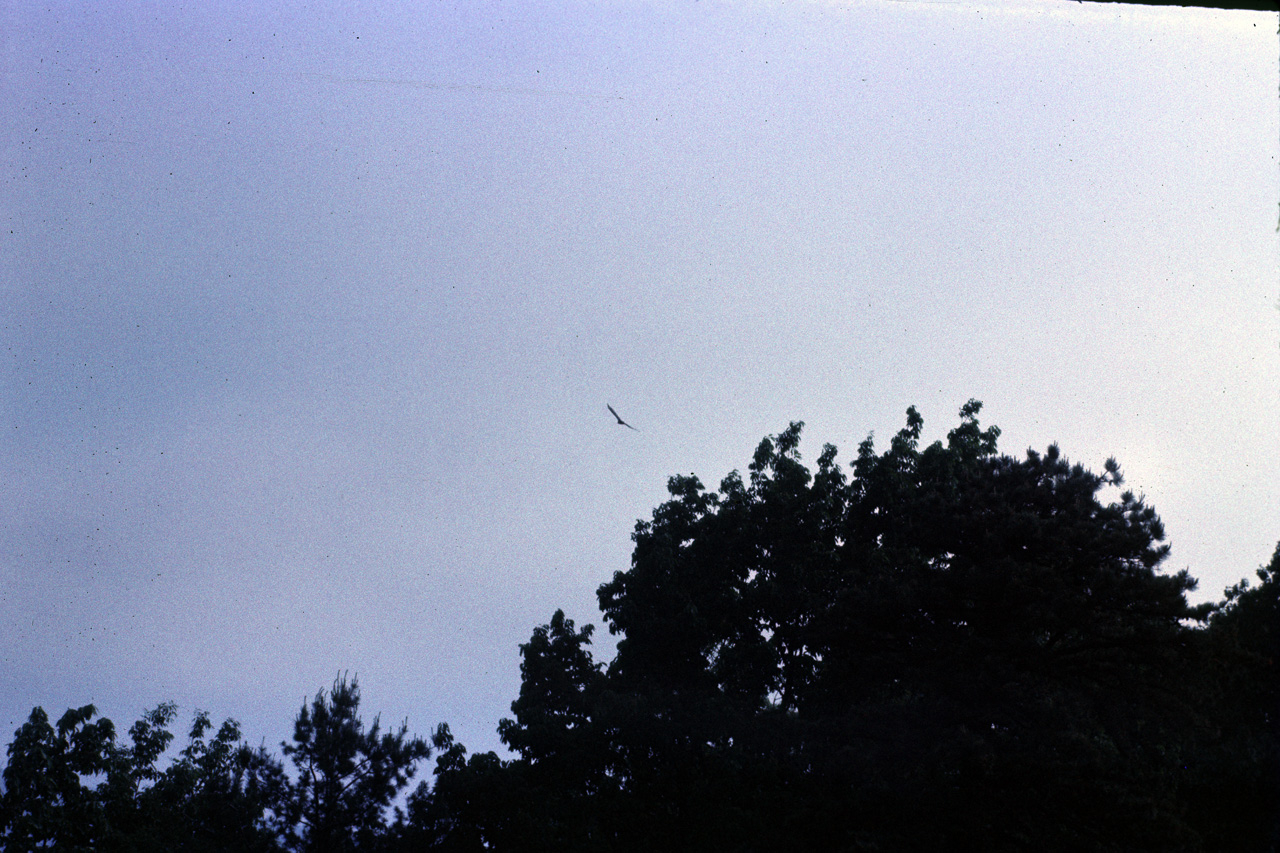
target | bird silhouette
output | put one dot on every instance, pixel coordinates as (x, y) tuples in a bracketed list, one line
[(619, 417)]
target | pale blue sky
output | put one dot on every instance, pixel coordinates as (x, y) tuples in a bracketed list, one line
[(310, 317)]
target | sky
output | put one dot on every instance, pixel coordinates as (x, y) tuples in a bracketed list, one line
[(310, 315)]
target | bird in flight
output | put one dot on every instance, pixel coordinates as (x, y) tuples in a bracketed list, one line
[(620, 420)]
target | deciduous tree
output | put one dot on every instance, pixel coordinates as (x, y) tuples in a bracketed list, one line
[(942, 644)]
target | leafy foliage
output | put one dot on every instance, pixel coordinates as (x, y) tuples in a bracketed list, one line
[(217, 793), (1234, 790), (346, 777), (75, 788), (945, 644), (44, 802), (934, 648)]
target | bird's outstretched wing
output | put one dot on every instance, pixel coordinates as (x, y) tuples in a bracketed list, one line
[(619, 417)]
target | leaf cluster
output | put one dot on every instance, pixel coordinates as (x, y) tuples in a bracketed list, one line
[(76, 788), (930, 648), (936, 645)]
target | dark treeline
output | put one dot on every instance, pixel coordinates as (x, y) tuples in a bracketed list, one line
[(937, 649)]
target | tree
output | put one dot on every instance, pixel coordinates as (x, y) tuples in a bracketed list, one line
[(934, 649), (940, 645), (75, 788), (130, 772), (45, 803), (550, 797), (1234, 791), (347, 777), (477, 803), (217, 795)]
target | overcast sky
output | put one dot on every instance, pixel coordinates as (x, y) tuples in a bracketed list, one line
[(310, 316)]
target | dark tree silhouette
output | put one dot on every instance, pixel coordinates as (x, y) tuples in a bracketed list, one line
[(45, 804), (347, 777), (1234, 797), (932, 649), (76, 788), (945, 644), (218, 794)]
